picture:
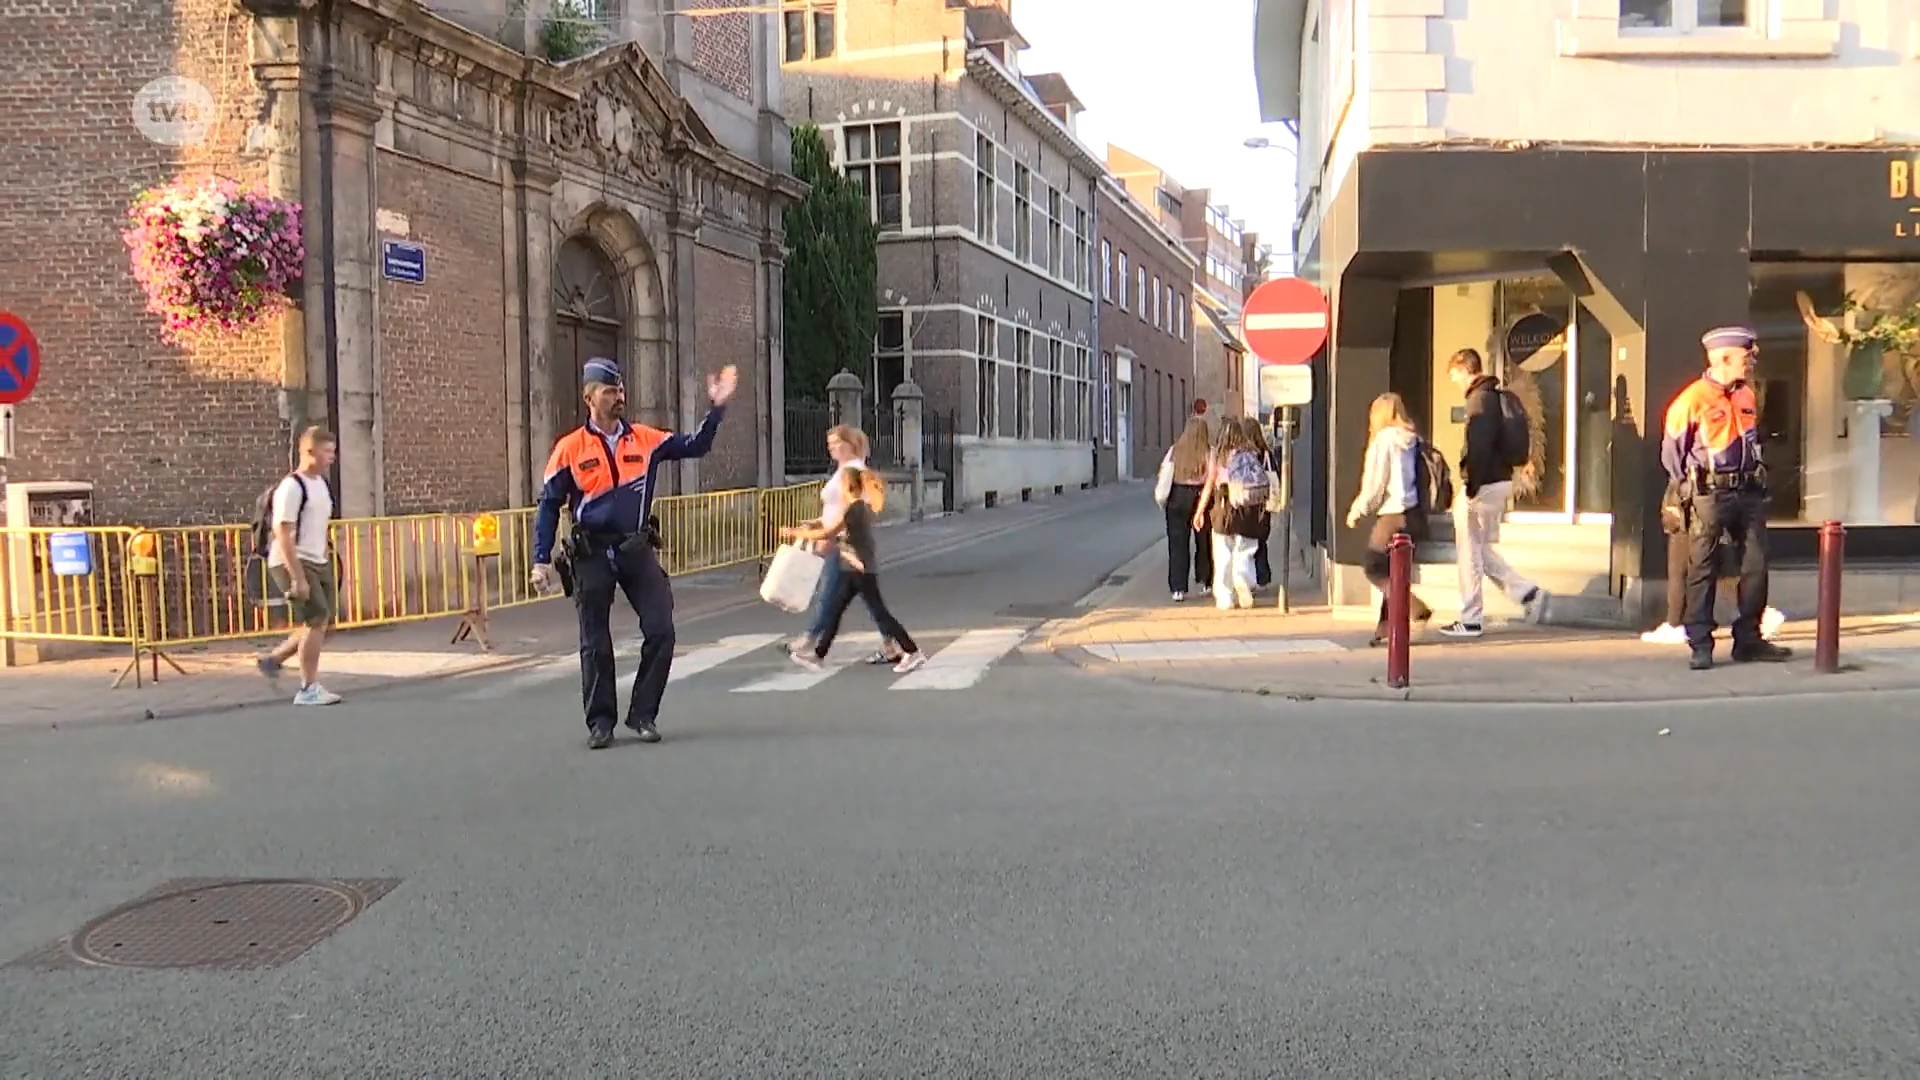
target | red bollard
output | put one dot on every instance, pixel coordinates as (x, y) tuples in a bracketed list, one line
[(1399, 589), (1826, 634)]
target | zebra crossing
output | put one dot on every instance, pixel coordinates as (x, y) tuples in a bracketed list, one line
[(954, 662)]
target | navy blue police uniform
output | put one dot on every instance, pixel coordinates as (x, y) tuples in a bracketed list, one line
[(605, 478)]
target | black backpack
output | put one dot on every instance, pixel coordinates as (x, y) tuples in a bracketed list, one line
[(1432, 481), (263, 514), (1516, 431)]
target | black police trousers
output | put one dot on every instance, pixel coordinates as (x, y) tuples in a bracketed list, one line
[(637, 573), (1727, 517)]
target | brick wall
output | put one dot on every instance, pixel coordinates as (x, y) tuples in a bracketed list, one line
[(166, 434), (724, 335), (723, 47), (443, 349), (1163, 370)]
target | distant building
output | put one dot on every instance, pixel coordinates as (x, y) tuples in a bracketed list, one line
[(1147, 333), (985, 199)]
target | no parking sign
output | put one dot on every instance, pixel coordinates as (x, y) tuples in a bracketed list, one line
[(19, 359)]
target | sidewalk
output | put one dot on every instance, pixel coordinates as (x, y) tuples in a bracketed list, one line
[(223, 677), (1137, 633)]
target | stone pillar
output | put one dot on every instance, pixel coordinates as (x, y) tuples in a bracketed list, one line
[(767, 380), (843, 398), (532, 423), (908, 406), (689, 389), (347, 115), (274, 47)]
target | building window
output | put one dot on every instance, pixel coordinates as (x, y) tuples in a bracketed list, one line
[(889, 355), (1022, 213), (1140, 290), (1123, 281), (985, 191), (1056, 244), (872, 161), (1180, 316), (1023, 383), (1169, 205), (1106, 398), (1082, 396), (1839, 409), (988, 348), (1172, 312), (1056, 404), (797, 21), (1106, 270), (1156, 302), (1683, 16), (1082, 250)]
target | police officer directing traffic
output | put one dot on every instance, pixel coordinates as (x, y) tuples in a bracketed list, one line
[(1712, 453), (603, 472)]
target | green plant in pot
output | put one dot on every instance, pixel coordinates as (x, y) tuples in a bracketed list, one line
[(1868, 336)]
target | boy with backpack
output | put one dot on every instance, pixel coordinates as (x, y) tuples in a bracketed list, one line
[(1499, 440), (291, 531)]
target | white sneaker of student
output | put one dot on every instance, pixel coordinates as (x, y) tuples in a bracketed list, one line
[(1771, 620), (1665, 634)]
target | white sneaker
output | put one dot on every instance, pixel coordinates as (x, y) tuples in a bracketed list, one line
[(911, 662), (1771, 620), (316, 695), (1179, 597), (1243, 596), (807, 660), (1665, 634)]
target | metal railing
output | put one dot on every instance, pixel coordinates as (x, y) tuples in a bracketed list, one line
[(164, 588)]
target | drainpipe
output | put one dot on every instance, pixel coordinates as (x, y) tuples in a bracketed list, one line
[(329, 280)]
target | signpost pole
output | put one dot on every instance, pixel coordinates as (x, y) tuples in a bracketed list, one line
[(1284, 426)]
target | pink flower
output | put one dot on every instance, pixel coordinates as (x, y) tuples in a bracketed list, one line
[(210, 256)]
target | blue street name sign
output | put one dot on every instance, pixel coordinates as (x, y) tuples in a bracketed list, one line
[(401, 261)]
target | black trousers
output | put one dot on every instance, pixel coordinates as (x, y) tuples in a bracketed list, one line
[(1189, 550), (1727, 517), (638, 574), (1378, 568), (850, 584), (1679, 555)]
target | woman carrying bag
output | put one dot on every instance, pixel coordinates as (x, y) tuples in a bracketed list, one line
[(1233, 505), (853, 526)]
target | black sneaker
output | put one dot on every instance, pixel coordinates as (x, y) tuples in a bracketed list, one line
[(1702, 660), (1461, 629), (1765, 652), (601, 738), (647, 732)]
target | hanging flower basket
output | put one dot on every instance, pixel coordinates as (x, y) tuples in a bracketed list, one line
[(213, 258)]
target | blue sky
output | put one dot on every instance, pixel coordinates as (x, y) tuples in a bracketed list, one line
[(1140, 74)]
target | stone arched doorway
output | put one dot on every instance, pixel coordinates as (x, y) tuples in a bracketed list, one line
[(588, 320)]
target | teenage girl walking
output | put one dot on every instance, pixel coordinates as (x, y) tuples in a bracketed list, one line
[(853, 525), (1183, 473), (1389, 491), (1236, 526)]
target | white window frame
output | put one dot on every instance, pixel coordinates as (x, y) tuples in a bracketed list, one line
[(1056, 232), (1107, 416), (1106, 270), (809, 36), (883, 394), (987, 343), (874, 165), (1125, 285), (986, 190), (1023, 383), (1056, 388), (1082, 249), (1022, 213), (1686, 20), (1140, 290)]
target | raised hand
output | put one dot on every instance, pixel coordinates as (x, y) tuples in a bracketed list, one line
[(721, 386)]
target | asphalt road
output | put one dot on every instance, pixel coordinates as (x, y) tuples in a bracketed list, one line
[(1046, 874)]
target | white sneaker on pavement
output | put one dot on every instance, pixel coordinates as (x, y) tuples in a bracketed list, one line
[(316, 695), (1771, 620), (1665, 634)]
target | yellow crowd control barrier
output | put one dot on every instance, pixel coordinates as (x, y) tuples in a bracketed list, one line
[(160, 589)]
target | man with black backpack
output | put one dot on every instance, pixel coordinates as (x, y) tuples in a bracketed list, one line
[(291, 531), (1499, 440)]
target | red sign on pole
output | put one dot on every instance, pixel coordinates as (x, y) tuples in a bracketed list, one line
[(1285, 321), (19, 360)]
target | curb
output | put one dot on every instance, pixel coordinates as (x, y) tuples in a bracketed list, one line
[(1376, 693)]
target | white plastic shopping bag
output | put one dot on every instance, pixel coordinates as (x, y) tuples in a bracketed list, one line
[(792, 578)]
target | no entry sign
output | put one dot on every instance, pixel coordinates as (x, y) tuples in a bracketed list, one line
[(1285, 321), (19, 360)]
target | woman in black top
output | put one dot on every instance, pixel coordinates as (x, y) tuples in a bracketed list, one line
[(854, 528)]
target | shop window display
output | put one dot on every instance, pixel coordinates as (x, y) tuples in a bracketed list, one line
[(1839, 388)]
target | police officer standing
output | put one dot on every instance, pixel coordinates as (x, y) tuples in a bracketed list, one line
[(603, 473), (1712, 453)]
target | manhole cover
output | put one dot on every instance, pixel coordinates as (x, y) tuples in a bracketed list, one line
[(219, 924)]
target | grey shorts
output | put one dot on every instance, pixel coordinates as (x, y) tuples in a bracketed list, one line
[(321, 604)]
